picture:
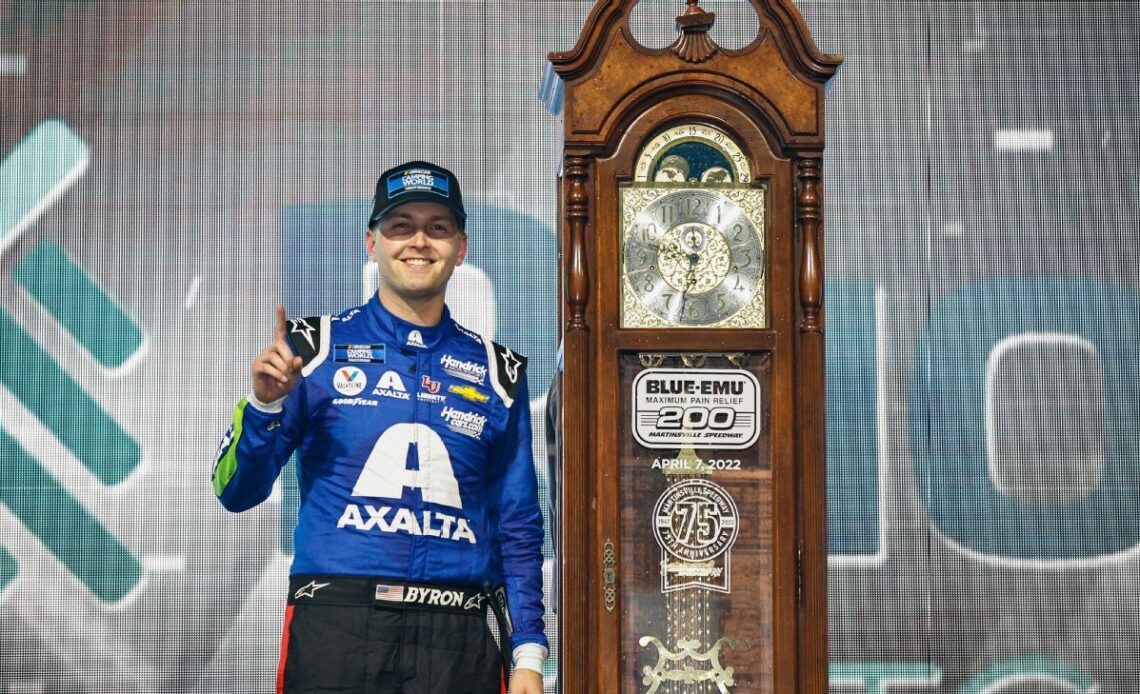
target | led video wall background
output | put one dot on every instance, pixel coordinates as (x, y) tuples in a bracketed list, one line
[(169, 171)]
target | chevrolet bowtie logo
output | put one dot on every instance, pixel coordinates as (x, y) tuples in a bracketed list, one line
[(307, 591)]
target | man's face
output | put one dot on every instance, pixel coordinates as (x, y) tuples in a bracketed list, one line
[(416, 248)]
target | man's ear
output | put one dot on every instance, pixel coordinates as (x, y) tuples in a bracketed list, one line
[(370, 243), (462, 248)]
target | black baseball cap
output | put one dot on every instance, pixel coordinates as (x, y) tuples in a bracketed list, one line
[(417, 181)]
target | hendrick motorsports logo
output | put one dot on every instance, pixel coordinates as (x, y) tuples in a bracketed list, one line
[(469, 423), (703, 409), (467, 370), (696, 522)]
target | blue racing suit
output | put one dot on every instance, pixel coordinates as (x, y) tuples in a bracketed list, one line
[(414, 452)]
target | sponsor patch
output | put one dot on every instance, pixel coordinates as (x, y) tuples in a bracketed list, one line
[(429, 390), (372, 354), (418, 179), (390, 385), (349, 380), (467, 370), (415, 339), (675, 408), (356, 401), (467, 423), (469, 393), (386, 519)]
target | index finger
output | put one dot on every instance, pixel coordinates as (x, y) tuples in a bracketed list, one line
[(279, 325)]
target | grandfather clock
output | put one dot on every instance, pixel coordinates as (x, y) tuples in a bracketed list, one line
[(692, 539)]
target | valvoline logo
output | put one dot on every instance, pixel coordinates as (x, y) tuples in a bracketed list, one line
[(349, 380)]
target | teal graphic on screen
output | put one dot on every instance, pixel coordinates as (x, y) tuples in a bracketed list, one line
[(33, 175)]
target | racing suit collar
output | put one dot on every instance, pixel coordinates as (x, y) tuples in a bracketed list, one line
[(408, 335)]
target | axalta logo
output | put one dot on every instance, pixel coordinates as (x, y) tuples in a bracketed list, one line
[(349, 380), (389, 520), (391, 386), (467, 370), (469, 423)]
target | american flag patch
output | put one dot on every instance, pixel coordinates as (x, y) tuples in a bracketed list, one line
[(390, 593)]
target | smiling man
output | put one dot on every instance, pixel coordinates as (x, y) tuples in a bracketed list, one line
[(419, 510)]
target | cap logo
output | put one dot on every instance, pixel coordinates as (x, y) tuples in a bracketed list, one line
[(413, 180)]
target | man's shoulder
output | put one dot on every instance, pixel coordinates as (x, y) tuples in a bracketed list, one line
[(312, 336), (506, 368)]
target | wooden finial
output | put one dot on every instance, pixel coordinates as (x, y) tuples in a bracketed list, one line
[(694, 45)]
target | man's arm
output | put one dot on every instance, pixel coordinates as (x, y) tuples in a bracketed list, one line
[(264, 430), (520, 537)]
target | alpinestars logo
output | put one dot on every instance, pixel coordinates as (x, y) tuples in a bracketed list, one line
[(302, 328), (512, 364), (468, 423), (467, 370), (308, 590)]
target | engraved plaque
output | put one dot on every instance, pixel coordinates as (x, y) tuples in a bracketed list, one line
[(695, 555)]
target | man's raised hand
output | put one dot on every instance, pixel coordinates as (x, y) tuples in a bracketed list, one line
[(276, 369)]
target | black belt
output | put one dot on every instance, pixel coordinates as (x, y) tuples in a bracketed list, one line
[(384, 592)]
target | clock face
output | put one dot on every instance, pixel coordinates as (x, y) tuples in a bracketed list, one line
[(693, 257), (693, 230)]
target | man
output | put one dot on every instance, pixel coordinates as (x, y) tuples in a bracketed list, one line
[(418, 495)]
